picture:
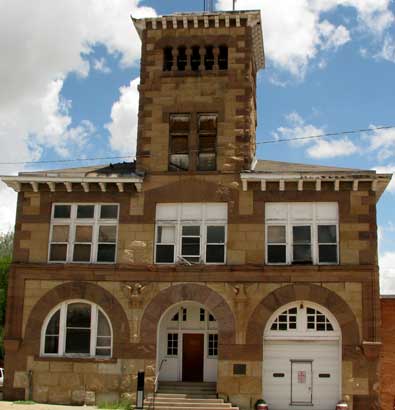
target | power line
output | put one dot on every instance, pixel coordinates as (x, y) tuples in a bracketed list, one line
[(273, 141)]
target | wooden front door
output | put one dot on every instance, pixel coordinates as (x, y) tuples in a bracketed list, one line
[(192, 357)]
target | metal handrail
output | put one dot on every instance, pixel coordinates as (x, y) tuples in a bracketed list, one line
[(156, 382)]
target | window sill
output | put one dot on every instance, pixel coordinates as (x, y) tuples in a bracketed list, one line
[(74, 359)]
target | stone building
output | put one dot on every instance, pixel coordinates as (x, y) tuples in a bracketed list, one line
[(388, 352), (197, 262)]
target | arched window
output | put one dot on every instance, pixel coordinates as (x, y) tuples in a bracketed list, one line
[(303, 319), (223, 58), (167, 59), (195, 60), (77, 328), (182, 59), (209, 58)]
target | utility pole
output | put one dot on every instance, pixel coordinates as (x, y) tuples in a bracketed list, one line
[(234, 5)]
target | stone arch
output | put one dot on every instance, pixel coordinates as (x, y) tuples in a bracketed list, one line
[(78, 290), (191, 293), (313, 293)]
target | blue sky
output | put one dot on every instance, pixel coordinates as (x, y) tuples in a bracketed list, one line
[(71, 77)]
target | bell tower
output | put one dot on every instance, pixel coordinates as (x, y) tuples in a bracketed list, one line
[(197, 110)]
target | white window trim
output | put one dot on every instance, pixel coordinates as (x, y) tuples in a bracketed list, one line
[(73, 222), (62, 331), (203, 223), (313, 222)]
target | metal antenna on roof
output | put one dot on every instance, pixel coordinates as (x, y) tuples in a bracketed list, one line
[(234, 5)]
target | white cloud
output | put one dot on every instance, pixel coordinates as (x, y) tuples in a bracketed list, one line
[(382, 142), (332, 148), (315, 148), (295, 31), (387, 273), (297, 129), (101, 65), (123, 128), (388, 50), (388, 169), (37, 57)]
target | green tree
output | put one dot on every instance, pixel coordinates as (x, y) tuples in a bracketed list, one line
[(6, 243)]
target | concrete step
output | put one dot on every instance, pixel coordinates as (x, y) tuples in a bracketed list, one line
[(187, 396), (184, 403), (170, 407), (166, 399)]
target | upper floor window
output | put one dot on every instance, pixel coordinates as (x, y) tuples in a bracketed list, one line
[(78, 329), (83, 233), (167, 59), (302, 233), (207, 128), (194, 233), (184, 58), (182, 135), (179, 128)]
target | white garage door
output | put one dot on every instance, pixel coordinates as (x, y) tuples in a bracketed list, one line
[(301, 360)]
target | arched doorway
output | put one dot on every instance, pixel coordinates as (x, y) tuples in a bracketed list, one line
[(187, 346), (302, 358)]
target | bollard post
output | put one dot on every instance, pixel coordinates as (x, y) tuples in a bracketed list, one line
[(140, 391)]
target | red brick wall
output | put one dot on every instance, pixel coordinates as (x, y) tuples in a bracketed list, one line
[(388, 353)]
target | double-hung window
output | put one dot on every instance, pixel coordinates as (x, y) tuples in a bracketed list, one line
[(302, 233), (193, 233), (83, 233)]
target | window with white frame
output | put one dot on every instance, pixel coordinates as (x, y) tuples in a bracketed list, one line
[(83, 233), (172, 344), (302, 233), (192, 232), (78, 329), (212, 347)]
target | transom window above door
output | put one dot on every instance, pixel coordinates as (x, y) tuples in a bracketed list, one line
[(83, 233), (302, 233), (77, 329), (191, 233)]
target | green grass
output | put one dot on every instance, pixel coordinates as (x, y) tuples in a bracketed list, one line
[(24, 402), (122, 405)]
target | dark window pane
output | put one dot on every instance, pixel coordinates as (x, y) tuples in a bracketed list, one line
[(215, 254), (282, 318), (211, 318), (302, 254), (195, 59), (329, 327), (85, 211), (320, 327), (62, 211), (293, 311), (327, 234), (109, 212), (209, 58), (276, 254), (292, 325), (51, 344), (53, 324), (215, 234), (328, 253), (106, 253), (301, 234), (58, 253), (78, 315), (167, 59), (276, 234), (103, 328), (182, 58), (311, 311), (78, 341), (164, 253), (191, 230), (310, 325), (82, 253), (103, 352), (283, 326), (190, 246)]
